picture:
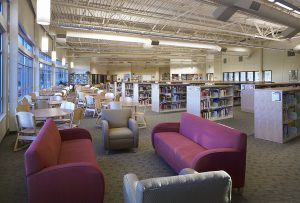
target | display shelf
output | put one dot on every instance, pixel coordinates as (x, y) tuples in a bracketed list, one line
[(277, 114), (168, 97), (214, 102)]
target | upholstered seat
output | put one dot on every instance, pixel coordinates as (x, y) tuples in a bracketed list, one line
[(119, 130)]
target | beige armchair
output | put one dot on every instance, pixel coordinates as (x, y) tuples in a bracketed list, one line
[(189, 186), (119, 130)]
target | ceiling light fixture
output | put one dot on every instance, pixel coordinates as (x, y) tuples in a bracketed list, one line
[(109, 37), (45, 44), (72, 64), (43, 12), (190, 45), (53, 56), (283, 6), (298, 12)]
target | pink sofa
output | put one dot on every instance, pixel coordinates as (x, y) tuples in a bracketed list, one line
[(202, 145), (61, 167)]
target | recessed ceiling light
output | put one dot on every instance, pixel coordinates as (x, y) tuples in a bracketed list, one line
[(298, 12)]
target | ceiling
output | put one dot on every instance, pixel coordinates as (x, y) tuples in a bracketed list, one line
[(188, 20)]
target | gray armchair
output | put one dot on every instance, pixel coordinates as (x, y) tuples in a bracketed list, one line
[(189, 186), (119, 130)]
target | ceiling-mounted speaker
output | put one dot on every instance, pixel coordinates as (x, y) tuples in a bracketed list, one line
[(240, 58), (155, 43), (225, 60), (223, 49), (291, 53), (255, 6)]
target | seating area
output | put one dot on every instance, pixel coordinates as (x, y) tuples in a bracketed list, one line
[(140, 101)]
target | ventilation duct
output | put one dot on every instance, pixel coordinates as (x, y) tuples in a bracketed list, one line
[(228, 8)]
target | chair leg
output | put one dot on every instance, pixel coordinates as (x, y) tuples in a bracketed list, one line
[(16, 148)]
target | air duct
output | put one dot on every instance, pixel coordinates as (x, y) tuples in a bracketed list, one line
[(225, 11)]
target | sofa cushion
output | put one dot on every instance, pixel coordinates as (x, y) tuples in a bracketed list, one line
[(116, 118), (120, 133), (210, 134), (44, 150), (178, 150), (78, 150)]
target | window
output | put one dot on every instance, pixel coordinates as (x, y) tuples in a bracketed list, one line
[(59, 76), (45, 76), (25, 44), (267, 76), (243, 76), (236, 76), (250, 76), (225, 76), (25, 74), (230, 76), (256, 76)]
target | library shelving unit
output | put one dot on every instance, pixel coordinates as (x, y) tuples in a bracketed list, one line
[(142, 93), (213, 102), (127, 89), (277, 114), (79, 79), (168, 97), (236, 91), (247, 93)]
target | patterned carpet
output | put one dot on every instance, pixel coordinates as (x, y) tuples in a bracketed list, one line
[(273, 170)]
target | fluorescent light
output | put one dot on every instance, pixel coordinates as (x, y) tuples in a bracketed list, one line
[(297, 48), (53, 56), (190, 45), (109, 37), (298, 12), (43, 12), (72, 64), (63, 61), (45, 43), (271, 0), (283, 6)]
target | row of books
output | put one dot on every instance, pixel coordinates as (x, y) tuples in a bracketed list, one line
[(172, 106), (289, 100), (145, 101), (214, 93), (289, 131), (212, 103), (172, 89), (216, 113), (128, 86)]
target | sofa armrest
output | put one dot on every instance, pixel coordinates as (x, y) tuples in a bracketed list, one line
[(133, 126), (74, 133), (187, 171), (74, 182), (105, 133), (129, 187), (164, 127), (230, 160)]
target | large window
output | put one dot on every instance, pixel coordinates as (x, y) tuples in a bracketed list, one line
[(25, 74), (267, 76), (61, 73), (25, 43), (45, 71)]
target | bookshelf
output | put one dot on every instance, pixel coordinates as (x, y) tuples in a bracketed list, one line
[(277, 114), (142, 93), (79, 79), (168, 97), (213, 102), (127, 89), (247, 93)]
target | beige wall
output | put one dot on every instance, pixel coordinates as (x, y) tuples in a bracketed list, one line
[(26, 18), (81, 65)]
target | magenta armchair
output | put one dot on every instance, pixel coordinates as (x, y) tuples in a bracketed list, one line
[(61, 167), (202, 145)]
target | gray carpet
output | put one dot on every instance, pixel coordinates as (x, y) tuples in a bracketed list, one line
[(273, 170)]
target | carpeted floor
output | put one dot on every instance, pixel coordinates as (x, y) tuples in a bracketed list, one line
[(273, 170)]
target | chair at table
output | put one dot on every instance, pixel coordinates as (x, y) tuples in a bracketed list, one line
[(76, 117), (33, 96), (109, 96), (140, 117), (119, 130), (56, 98), (99, 105), (68, 106), (90, 105), (26, 127), (26, 100), (81, 100), (115, 105), (22, 108)]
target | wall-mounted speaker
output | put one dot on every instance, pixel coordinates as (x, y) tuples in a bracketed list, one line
[(240, 58), (224, 60), (291, 53), (155, 43), (223, 49)]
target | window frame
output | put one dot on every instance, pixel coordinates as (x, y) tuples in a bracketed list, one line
[(264, 76)]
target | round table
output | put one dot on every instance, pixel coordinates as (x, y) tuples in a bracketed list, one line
[(55, 102), (51, 112)]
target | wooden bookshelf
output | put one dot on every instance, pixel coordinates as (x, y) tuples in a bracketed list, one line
[(168, 97), (277, 114), (213, 102), (142, 93)]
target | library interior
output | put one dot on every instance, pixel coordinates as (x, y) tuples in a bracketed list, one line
[(144, 101)]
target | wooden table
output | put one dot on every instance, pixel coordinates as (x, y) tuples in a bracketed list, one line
[(51, 112), (55, 102), (130, 105)]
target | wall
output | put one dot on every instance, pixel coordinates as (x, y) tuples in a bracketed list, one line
[(81, 65), (185, 67)]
